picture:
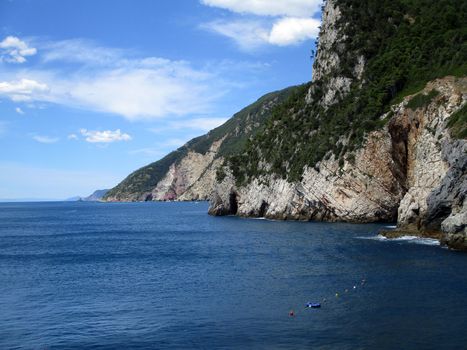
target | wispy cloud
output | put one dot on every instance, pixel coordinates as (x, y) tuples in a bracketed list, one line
[(80, 51), (106, 136), (251, 34), (115, 81), (45, 139), (19, 110), (14, 50), (72, 137), (293, 8), (248, 34), (279, 23)]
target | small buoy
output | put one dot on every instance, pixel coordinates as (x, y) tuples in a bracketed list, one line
[(337, 295), (291, 313), (313, 305), (354, 287)]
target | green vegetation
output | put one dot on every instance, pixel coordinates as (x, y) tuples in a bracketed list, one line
[(458, 123), (144, 180), (422, 100), (405, 43), (236, 131)]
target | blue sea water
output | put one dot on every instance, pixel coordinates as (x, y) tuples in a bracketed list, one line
[(168, 276)]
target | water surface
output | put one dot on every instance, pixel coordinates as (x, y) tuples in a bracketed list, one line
[(168, 276)]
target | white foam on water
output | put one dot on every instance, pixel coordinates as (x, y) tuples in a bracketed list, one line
[(405, 239)]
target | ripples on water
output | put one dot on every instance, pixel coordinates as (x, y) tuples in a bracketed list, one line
[(168, 276)]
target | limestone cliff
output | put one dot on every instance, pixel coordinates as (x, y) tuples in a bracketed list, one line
[(379, 135), (189, 173), (411, 170), (360, 145)]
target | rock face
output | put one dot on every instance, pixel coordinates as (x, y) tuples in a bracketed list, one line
[(411, 170), (364, 190), (96, 196), (330, 49), (436, 163), (189, 173), (336, 149), (194, 169)]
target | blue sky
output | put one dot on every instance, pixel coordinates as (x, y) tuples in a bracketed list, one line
[(92, 90)]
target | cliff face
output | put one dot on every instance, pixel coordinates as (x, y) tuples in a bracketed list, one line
[(189, 173), (357, 144), (345, 153), (192, 169), (411, 170)]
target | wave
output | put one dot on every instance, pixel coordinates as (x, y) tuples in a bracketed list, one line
[(406, 239)]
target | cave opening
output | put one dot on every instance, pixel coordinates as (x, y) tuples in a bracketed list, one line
[(263, 209), (233, 203)]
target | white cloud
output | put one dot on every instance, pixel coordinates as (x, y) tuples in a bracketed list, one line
[(248, 34), (289, 31), (19, 110), (136, 88), (252, 34), (72, 137), (45, 139), (24, 90), (294, 8), (14, 50), (291, 22), (105, 136), (142, 93)]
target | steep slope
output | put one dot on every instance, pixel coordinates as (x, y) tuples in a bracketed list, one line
[(189, 172), (95, 196), (352, 147)]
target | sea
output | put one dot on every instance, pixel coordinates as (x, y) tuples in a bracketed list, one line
[(80, 275)]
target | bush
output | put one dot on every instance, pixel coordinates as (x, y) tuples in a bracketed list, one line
[(422, 100), (458, 123)]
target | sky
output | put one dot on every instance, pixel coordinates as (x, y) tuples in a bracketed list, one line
[(93, 90)]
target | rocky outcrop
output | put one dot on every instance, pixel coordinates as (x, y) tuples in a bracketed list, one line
[(362, 190), (189, 173), (327, 64), (435, 162), (185, 174), (411, 170), (330, 35), (96, 196)]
